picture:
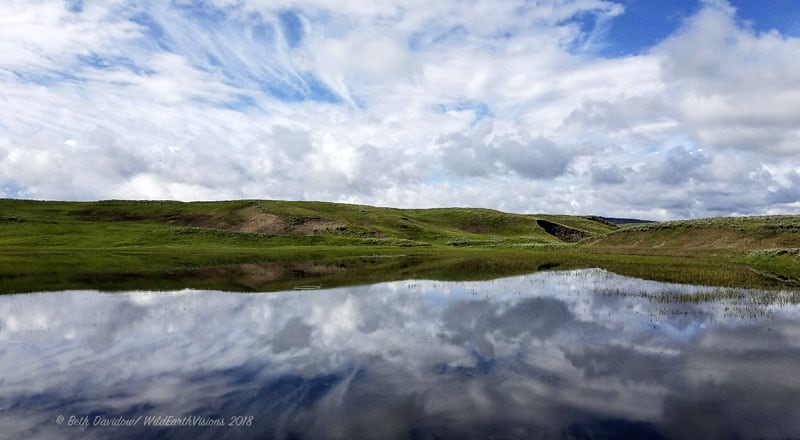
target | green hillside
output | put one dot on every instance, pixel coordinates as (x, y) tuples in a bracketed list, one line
[(134, 224), (269, 245), (688, 237), (768, 245)]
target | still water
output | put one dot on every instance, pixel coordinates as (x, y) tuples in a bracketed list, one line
[(579, 354)]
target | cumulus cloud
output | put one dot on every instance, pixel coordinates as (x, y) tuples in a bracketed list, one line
[(481, 153), (732, 87), (676, 166), (48, 34), (610, 174), (404, 103)]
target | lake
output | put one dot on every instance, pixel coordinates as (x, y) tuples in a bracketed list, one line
[(572, 354)]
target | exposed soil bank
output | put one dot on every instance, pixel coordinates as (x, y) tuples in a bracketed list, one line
[(561, 232)]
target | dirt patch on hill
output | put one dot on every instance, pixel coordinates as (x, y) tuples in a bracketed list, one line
[(563, 233), (260, 222), (256, 221)]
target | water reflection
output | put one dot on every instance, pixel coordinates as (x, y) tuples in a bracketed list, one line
[(581, 354)]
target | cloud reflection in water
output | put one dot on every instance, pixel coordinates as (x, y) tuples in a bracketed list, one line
[(549, 355)]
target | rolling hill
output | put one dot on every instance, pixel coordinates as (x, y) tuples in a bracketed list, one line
[(132, 223), (269, 245)]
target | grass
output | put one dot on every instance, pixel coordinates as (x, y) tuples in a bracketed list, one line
[(687, 237), (782, 265), (256, 245)]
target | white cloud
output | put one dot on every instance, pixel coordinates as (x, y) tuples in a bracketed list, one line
[(483, 153), (389, 103), (731, 87), (43, 34)]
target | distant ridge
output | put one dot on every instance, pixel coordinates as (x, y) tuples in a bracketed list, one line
[(623, 221), (614, 221)]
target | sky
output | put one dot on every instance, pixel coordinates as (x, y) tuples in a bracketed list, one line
[(657, 109)]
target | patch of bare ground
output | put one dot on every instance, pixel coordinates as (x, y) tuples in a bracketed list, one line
[(562, 232), (256, 221), (260, 222)]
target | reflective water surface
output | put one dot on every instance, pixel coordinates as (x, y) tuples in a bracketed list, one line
[(580, 354)]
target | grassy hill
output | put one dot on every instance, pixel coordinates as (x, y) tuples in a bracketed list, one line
[(687, 237), (132, 224), (268, 245), (769, 245)]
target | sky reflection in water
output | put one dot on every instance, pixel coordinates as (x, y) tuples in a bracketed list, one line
[(551, 355)]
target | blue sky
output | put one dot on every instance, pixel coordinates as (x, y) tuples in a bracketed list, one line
[(657, 109), (644, 24)]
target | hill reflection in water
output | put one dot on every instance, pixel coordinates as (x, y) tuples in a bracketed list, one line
[(579, 354)]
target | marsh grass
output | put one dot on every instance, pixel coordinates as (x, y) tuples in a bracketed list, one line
[(733, 303), (741, 297), (781, 265)]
